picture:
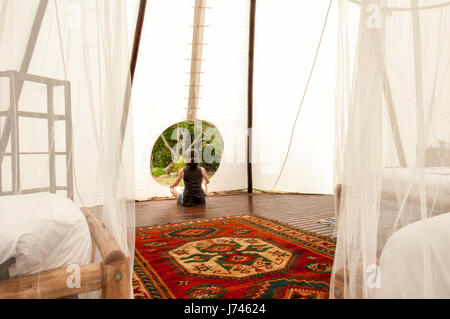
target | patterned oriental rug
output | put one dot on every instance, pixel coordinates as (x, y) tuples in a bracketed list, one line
[(237, 257)]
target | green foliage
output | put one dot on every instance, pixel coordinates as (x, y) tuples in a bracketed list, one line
[(162, 157), (179, 164), (158, 171)]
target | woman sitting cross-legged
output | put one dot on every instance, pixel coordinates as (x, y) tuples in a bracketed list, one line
[(194, 190)]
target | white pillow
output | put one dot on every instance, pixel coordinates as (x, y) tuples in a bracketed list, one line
[(42, 231)]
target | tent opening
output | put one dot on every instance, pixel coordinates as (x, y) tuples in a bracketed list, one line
[(171, 150)]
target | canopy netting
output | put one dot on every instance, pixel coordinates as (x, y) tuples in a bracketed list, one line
[(393, 147), (375, 125), (64, 69)]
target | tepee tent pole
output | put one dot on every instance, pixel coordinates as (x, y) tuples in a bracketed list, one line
[(196, 58), (251, 49), (133, 62), (137, 37)]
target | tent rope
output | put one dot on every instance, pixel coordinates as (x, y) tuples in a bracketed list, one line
[(304, 92)]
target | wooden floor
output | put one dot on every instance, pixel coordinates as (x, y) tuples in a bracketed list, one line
[(301, 211)]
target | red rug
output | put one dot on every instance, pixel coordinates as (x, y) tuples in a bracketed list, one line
[(237, 257)]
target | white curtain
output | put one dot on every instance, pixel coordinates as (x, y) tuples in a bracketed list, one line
[(393, 143), (85, 43)]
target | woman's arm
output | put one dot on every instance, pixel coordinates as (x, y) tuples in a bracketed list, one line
[(205, 176), (177, 181)]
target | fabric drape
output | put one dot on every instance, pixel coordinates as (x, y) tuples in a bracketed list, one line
[(392, 159), (85, 44)]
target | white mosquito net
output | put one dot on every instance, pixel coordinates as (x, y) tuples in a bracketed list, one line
[(64, 75), (67, 129), (393, 144), (70, 137)]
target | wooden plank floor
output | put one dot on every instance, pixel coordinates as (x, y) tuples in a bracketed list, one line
[(301, 211)]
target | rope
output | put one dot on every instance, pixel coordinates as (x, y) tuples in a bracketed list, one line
[(304, 93)]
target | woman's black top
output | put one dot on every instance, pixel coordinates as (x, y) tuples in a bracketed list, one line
[(193, 193)]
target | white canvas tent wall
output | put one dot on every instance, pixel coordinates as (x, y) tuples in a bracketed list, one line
[(286, 39)]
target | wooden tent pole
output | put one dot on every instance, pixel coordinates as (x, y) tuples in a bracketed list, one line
[(137, 37), (198, 30), (251, 49), (133, 62)]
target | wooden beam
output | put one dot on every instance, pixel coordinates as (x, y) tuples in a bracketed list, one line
[(137, 37), (196, 58), (32, 39), (3, 17), (441, 205), (337, 200), (39, 79), (12, 120), (37, 115), (116, 280), (69, 140), (51, 140), (116, 267), (133, 62), (51, 284), (106, 243), (7, 127), (251, 50)]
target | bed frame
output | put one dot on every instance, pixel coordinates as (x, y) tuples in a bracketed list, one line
[(442, 205), (11, 130), (112, 275)]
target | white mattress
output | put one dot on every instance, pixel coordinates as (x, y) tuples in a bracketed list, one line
[(404, 274), (42, 231)]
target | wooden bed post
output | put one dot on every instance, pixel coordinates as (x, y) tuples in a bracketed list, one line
[(112, 275), (69, 140), (337, 199), (116, 266), (116, 279)]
